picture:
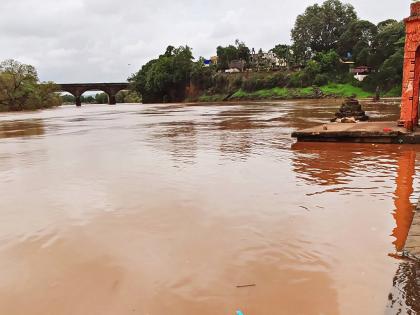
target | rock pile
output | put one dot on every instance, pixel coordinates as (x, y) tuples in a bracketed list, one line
[(350, 112)]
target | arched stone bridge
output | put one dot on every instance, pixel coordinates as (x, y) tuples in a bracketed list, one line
[(77, 89)]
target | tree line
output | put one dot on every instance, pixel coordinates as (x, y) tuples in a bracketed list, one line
[(324, 37)]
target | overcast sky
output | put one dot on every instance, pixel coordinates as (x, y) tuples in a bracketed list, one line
[(107, 40)]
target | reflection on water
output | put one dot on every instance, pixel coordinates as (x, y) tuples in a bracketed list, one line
[(326, 164), (154, 209), (179, 139), (330, 164), (404, 212), (25, 128), (404, 297)]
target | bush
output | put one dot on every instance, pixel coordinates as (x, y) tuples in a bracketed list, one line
[(237, 83), (253, 84), (370, 82), (329, 63), (279, 79), (347, 77), (122, 97), (249, 85), (296, 80), (321, 79), (201, 76), (220, 83)]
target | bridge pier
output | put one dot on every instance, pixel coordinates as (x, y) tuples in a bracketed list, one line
[(112, 100), (78, 101)]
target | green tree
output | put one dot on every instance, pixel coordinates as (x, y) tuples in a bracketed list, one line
[(101, 98), (389, 73), (391, 70), (20, 88), (127, 97), (320, 27), (322, 68), (383, 24), (243, 51), (358, 41), (284, 52), (225, 55), (387, 56), (68, 98), (281, 50), (330, 63), (202, 76), (166, 78), (89, 99), (390, 38)]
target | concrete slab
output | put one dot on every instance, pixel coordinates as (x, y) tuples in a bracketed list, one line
[(363, 132), (412, 245)]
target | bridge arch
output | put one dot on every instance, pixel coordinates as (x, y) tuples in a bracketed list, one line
[(77, 89)]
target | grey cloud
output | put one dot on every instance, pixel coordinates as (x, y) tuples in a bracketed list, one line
[(107, 40)]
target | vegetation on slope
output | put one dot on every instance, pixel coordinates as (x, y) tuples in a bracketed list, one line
[(329, 90)]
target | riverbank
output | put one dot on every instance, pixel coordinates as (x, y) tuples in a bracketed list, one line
[(332, 90)]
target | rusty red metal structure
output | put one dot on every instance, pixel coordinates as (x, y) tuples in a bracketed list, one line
[(411, 77)]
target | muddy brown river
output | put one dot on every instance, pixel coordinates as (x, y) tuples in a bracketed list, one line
[(202, 210)]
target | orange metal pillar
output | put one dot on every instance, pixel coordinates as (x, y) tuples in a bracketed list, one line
[(411, 77)]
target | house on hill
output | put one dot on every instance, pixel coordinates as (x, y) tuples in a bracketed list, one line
[(236, 66), (266, 61)]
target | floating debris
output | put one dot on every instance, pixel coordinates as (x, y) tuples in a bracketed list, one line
[(246, 286)]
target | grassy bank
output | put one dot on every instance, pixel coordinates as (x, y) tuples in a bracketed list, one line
[(330, 90), (210, 98), (277, 93)]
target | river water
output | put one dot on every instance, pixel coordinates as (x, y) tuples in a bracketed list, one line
[(202, 209)]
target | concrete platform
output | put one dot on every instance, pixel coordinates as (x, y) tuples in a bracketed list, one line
[(362, 132), (412, 245)]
